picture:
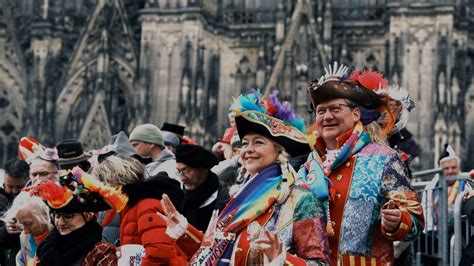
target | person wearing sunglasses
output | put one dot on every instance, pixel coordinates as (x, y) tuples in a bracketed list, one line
[(74, 201)]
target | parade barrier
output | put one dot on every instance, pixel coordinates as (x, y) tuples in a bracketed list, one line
[(462, 229), (428, 249), (435, 246)]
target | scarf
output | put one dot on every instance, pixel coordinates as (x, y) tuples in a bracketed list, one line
[(29, 246), (314, 175), (258, 194), (58, 250)]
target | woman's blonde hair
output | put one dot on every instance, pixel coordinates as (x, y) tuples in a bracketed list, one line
[(119, 170), (32, 204)]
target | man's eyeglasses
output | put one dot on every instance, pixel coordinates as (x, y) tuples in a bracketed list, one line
[(67, 217), (42, 174), (333, 109), (185, 171)]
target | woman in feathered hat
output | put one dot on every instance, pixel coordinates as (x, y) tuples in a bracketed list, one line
[(76, 239), (288, 223)]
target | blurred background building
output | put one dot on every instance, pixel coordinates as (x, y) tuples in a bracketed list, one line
[(86, 69)]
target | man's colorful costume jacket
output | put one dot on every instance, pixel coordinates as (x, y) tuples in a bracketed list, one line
[(364, 178)]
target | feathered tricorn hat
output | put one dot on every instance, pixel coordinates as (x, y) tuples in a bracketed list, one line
[(272, 118), (77, 191), (339, 82)]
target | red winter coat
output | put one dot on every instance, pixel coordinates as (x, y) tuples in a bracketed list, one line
[(140, 224)]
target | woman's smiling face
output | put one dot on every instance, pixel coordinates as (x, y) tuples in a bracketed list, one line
[(257, 153)]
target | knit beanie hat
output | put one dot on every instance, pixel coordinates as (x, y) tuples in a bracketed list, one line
[(147, 133)]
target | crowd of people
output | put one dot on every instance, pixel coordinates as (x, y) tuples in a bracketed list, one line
[(271, 191)]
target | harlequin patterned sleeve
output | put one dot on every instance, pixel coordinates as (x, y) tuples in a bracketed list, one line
[(306, 238), (398, 192)]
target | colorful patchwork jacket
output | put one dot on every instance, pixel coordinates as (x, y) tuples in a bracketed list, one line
[(360, 186)]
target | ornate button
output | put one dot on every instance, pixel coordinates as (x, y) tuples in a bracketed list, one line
[(403, 226), (338, 196), (338, 177), (348, 164)]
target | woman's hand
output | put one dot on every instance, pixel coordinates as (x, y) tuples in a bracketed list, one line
[(172, 215), (176, 223), (271, 245)]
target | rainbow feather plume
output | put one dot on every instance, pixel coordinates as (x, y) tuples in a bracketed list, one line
[(269, 105)]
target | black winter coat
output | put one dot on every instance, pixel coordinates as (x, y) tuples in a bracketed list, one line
[(198, 203)]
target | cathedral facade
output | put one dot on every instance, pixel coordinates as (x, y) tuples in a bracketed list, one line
[(87, 69)]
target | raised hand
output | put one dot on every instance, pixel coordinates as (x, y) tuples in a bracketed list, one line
[(171, 215)]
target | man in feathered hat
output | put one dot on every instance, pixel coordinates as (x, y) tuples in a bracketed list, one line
[(370, 201)]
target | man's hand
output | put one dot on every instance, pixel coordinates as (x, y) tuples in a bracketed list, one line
[(391, 219)]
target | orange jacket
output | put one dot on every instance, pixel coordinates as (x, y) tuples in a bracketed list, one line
[(140, 224)]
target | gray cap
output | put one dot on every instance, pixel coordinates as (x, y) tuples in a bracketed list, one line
[(147, 133)]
